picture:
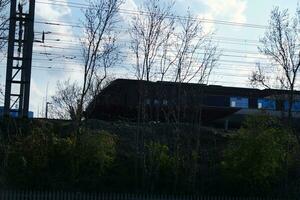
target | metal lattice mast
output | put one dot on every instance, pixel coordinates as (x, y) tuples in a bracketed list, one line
[(19, 58)]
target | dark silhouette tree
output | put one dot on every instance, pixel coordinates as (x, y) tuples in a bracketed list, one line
[(281, 45)]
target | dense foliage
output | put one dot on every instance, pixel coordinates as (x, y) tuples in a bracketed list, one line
[(259, 158), (41, 159), (261, 154)]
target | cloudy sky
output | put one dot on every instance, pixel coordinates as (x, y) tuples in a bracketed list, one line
[(59, 58)]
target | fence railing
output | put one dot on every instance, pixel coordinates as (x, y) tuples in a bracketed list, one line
[(61, 195)]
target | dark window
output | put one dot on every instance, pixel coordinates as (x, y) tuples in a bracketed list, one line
[(165, 102), (268, 104), (239, 102), (295, 106), (218, 101), (156, 102)]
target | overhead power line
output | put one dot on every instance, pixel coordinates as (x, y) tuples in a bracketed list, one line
[(215, 38), (135, 12), (58, 51), (128, 54)]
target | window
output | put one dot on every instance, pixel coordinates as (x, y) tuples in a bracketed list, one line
[(165, 102), (239, 102), (233, 103), (268, 104), (295, 106), (217, 101)]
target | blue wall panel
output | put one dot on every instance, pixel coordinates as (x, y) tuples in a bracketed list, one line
[(295, 107), (239, 102), (268, 104)]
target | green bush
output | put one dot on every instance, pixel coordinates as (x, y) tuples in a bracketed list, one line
[(158, 166), (260, 155), (26, 159), (40, 160), (94, 155)]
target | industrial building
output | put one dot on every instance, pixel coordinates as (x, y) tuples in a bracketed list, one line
[(125, 99), (15, 113)]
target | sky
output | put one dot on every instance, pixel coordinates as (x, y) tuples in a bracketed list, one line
[(59, 59)]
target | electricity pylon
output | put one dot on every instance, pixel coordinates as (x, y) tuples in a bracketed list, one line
[(19, 57)]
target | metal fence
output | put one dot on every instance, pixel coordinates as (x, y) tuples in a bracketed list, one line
[(61, 195)]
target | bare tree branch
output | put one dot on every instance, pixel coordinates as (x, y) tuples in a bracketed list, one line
[(258, 78), (281, 45), (191, 65), (4, 20), (150, 30), (66, 101), (99, 44), (99, 53)]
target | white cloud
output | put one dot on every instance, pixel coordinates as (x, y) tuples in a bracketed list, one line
[(48, 11), (231, 10), (129, 5)]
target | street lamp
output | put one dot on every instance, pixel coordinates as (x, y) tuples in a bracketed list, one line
[(46, 113)]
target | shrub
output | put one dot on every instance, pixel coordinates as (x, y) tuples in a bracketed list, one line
[(95, 154), (260, 154)]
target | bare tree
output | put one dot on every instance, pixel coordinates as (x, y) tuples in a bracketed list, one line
[(161, 47), (281, 45), (259, 78), (188, 51), (4, 19), (65, 102), (191, 57), (99, 53), (149, 31), (108, 59), (196, 55), (99, 21), (167, 58)]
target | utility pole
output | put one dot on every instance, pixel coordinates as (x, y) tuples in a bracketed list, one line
[(47, 107), (19, 60)]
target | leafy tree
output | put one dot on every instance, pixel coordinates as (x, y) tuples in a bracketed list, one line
[(158, 165), (95, 154), (26, 160), (260, 154), (61, 159), (42, 159)]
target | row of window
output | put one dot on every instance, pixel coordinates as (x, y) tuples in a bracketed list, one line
[(235, 102), (268, 104), (156, 102)]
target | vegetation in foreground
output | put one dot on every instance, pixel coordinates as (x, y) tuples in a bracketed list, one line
[(261, 158)]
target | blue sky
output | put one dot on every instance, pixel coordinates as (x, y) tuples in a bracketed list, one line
[(236, 41)]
